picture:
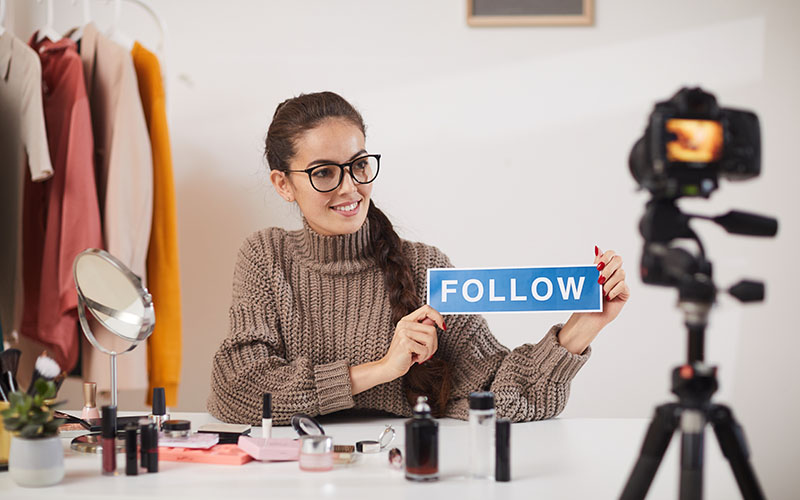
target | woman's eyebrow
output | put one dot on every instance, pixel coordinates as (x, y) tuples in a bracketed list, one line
[(322, 162)]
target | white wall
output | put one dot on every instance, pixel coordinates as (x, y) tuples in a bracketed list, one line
[(502, 146)]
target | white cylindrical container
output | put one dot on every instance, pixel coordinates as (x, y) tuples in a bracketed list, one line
[(36, 462), (481, 434)]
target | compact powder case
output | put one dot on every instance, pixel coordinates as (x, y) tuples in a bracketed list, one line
[(177, 428)]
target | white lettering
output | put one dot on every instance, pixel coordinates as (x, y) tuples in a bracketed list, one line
[(514, 296), (465, 290), (570, 286), (446, 289), (535, 291), (492, 296)]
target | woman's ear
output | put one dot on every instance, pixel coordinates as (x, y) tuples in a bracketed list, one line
[(282, 185)]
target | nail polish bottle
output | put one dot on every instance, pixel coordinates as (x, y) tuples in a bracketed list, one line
[(159, 415), (109, 440), (89, 401), (422, 444)]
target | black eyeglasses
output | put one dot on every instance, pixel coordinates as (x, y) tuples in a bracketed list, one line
[(325, 178)]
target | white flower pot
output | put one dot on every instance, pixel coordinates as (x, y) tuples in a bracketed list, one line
[(36, 462)]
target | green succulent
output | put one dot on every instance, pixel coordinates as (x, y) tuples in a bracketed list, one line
[(32, 416)]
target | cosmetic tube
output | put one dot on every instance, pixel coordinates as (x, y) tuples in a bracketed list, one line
[(266, 416), (481, 434), (109, 440), (502, 461), (131, 464), (143, 422), (152, 459)]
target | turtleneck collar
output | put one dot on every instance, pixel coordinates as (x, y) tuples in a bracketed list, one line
[(346, 249)]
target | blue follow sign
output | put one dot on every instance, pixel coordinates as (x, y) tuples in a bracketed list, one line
[(517, 289)]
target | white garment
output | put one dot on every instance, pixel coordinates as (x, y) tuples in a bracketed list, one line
[(23, 146)]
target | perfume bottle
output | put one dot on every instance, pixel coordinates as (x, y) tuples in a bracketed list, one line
[(422, 444), (481, 434), (89, 401)]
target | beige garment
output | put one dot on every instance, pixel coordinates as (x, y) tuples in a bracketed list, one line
[(23, 145), (124, 182)]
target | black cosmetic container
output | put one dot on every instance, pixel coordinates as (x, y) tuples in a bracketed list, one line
[(131, 462), (502, 462)]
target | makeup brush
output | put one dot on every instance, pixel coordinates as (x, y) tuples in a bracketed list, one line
[(9, 362), (59, 380), (45, 368)]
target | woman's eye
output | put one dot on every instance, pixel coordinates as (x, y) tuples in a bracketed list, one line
[(361, 165), (322, 172)]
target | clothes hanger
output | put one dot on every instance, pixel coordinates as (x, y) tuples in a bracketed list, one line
[(87, 18), (48, 31), (2, 16), (161, 47), (114, 33)]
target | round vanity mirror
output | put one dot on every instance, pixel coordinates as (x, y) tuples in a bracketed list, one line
[(115, 297)]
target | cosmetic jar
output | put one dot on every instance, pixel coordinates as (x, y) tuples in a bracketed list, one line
[(316, 453), (177, 428)]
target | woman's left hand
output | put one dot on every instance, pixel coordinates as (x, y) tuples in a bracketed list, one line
[(615, 289)]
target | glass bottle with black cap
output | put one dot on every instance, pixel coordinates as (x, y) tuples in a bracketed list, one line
[(481, 434), (422, 444)]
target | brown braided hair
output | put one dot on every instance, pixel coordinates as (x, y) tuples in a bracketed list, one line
[(292, 118)]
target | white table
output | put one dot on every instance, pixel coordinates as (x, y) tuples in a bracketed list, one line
[(555, 459)]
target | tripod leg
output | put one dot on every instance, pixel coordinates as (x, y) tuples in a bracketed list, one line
[(731, 440), (655, 445), (693, 422)]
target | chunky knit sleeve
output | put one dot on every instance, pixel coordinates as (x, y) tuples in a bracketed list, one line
[(252, 360), (530, 382)]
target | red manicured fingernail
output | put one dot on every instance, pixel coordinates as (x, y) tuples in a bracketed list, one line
[(596, 251), (601, 279), (600, 266), (444, 327)]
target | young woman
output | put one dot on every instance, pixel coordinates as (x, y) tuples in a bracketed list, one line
[(331, 317)]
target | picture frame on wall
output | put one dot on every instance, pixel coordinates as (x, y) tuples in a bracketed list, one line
[(530, 12)]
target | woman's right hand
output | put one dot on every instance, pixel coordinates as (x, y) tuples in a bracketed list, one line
[(414, 341)]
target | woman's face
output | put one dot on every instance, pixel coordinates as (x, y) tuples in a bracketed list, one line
[(343, 210)]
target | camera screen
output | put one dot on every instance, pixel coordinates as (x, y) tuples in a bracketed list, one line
[(696, 141)]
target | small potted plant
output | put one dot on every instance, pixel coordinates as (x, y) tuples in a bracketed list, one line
[(36, 457)]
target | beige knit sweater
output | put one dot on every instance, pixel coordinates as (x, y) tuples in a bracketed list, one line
[(306, 307)]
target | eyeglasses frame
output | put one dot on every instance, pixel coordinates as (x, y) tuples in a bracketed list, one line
[(341, 166)]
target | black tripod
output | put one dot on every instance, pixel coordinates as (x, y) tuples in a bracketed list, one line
[(694, 383)]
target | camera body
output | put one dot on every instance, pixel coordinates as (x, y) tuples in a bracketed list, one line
[(690, 142)]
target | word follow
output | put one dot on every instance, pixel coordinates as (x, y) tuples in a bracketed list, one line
[(517, 289)]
